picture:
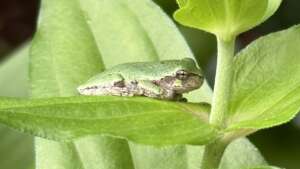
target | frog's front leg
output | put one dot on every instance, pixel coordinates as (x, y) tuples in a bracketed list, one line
[(121, 87), (172, 95), (148, 88)]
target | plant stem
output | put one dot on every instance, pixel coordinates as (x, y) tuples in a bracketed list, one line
[(212, 155), (222, 90), (223, 81)]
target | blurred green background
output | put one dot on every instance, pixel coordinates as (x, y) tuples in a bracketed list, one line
[(279, 145)]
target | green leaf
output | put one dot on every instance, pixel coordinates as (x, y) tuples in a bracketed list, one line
[(63, 55), (59, 60), (265, 167), (240, 154), (266, 88), (225, 18), (181, 3), (14, 73), (15, 146), (141, 120)]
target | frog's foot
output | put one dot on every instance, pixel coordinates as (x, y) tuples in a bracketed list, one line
[(171, 95), (182, 99), (168, 95)]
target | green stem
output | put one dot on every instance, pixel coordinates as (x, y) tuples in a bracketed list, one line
[(220, 105), (223, 80), (212, 155)]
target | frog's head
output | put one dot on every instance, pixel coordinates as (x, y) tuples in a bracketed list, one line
[(187, 77), (185, 81)]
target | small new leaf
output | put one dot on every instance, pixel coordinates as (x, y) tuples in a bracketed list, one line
[(225, 18), (141, 120)]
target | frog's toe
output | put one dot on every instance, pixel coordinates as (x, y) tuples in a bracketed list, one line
[(183, 100)]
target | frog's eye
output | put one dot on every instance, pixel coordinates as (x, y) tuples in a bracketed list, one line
[(181, 75)]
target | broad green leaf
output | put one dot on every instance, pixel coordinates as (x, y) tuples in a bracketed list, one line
[(63, 54), (265, 167), (141, 120), (266, 88), (14, 74), (240, 154), (225, 18), (15, 146), (104, 152)]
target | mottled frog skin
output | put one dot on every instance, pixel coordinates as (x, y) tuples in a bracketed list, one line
[(167, 79)]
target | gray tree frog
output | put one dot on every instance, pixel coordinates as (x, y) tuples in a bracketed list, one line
[(167, 80)]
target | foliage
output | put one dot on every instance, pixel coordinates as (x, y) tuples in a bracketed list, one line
[(77, 39)]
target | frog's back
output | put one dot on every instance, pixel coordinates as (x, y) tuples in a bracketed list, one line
[(153, 70)]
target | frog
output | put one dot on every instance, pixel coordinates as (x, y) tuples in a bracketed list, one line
[(166, 80)]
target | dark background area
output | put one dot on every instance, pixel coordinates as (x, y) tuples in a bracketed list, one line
[(17, 23), (279, 145)]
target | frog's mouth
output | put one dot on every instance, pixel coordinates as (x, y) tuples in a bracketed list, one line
[(180, 84), (190, 83)]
